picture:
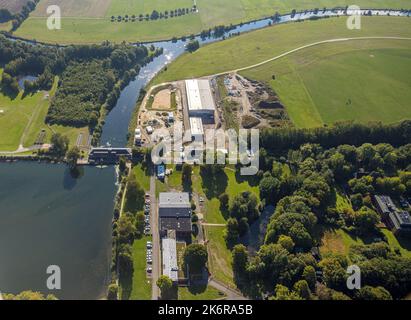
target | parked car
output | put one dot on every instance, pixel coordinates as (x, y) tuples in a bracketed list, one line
[(149, 270)]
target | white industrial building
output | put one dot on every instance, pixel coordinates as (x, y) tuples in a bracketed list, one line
[(200, 98), (170, 266)]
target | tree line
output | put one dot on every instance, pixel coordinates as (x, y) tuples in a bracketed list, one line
[(155, 15), (279, 139)]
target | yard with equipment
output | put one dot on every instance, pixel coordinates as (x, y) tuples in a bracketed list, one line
[(91, 21)]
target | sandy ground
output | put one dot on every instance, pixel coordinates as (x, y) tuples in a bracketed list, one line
[(162, 100)]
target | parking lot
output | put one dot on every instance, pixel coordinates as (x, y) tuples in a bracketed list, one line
[(147, 232)]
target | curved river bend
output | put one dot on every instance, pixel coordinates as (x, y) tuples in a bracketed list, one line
[(48, 217)]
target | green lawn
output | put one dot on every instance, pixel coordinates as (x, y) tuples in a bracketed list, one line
[(312, 83), (257, 46), (6, 26), (199, 293), (140, 286), (90, 21), (342, 202), (314, 88), (404, 245), (338, 241), (220, 258), (23, 118), (142, 177)]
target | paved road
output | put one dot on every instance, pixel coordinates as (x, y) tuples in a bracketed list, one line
[(156, 239), (304, 47), (21, 149)]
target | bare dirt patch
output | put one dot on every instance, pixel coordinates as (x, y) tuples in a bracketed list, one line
[(162, 100), (74, 8)]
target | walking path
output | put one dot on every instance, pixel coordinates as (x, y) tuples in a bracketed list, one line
[(213, 224)]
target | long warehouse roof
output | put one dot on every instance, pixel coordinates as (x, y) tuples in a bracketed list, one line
[(199, 95), (170, 267)]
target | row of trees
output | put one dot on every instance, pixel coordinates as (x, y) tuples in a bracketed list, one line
[(155, 15)]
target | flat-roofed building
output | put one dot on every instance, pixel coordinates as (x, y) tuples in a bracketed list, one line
[(200, 98), (169, 253), (397, 220)]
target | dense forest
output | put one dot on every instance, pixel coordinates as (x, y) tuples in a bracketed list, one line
[(304, 184)]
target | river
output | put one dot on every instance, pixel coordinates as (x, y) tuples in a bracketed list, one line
[(47, 217)]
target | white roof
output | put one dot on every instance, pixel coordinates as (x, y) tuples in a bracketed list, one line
[(196, 126), (170, 267), (174, 200), (199, 95)]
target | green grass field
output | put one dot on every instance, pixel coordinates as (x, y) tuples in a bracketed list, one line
[(312, 83), (140, 286), (89, 21), (357, 80), (263, 44)]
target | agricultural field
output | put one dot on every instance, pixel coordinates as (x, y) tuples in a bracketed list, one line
[(89, 21), (14, 6), (306, 80)]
